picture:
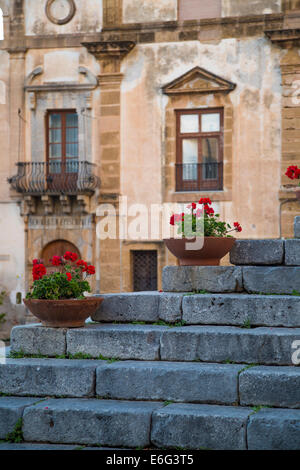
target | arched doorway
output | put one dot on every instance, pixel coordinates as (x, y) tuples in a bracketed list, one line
[(57, 247)]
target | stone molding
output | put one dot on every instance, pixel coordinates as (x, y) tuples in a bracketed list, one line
[(68, 17)]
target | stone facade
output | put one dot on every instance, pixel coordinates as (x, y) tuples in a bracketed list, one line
[(116, 63)]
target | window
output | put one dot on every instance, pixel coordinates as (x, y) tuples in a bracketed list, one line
[(144, 270), (199, 159), (198, 9), (62, 142)]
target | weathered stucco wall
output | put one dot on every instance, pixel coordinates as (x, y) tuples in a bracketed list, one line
[(88, 18), (4, 127), (254, 66), (12, 265), (139, 11), (253, 7)]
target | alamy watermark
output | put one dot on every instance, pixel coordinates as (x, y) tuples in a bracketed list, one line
[(296, 353), (142, 222)]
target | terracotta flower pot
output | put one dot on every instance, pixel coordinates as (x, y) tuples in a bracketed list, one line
[(70, 313), (213, 250)]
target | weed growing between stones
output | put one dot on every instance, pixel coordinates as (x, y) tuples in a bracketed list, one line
[(79, 355), (166, 403), (246, 324), (248, 366), (257, 408), (16, 436), (170, 325)]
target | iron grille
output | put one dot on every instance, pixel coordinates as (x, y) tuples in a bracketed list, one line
[(144, 270)]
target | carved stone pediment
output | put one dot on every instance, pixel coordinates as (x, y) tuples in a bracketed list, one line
[(284, 37), (198, 80)]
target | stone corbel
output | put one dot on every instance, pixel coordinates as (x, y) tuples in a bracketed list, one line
[(109, 53), (28, 206), (66, 204), (47, 202), (83, 203)]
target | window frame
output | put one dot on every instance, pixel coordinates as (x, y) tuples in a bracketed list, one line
[(63, 159), (200, 184)]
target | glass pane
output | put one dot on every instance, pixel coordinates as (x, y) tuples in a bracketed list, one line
[(55, 135), (55, 151), (189, 159), (72, 166), (71, 150), (72, 120), (189, 123), (210, 157), (55, 120), (210, 122), (72, 134)]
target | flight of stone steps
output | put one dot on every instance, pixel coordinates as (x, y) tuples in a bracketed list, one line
[(209, 363)]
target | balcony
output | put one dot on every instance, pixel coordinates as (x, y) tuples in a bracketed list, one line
[(55, 178), (199, 176)]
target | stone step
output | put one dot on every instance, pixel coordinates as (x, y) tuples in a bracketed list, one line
[(266, 252), (11, 446), (202, 309), (262, 345), (226, 384), (113, 424), (224, 427), (225, 279), (107, 423)]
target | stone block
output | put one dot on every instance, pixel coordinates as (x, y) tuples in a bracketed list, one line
[(271, 386), (292, 252), (118, 341), (274, 429), (89, 421), (257, 252), (37, 339), (128, 307), (297, 227), (11, 410), (48, 377), (238, 309), (163, 381), (271, 280), (196, 278), (270, 346), (200, 426), (170, 307)]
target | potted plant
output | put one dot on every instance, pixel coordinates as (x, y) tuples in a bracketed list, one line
[(215, 234), (58, 299), (293, 172)]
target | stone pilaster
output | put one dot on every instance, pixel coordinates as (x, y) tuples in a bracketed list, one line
[(109, 56)]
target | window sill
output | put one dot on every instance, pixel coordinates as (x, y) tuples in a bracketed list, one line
[(188, 196)]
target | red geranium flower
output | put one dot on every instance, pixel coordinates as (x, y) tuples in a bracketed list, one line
[(91, 270), (69, 276), (237, 226), (192, 206), (68, 255), (74, 256), (35, 261), (56, 260), (172, 220), (293, 172), (204, 200), (38, 271), (82, 264)]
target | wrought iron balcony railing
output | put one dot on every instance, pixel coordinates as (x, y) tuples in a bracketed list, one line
[(199, 176), (70, 177)]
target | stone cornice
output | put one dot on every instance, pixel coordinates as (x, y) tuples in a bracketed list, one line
[(284, 37)]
